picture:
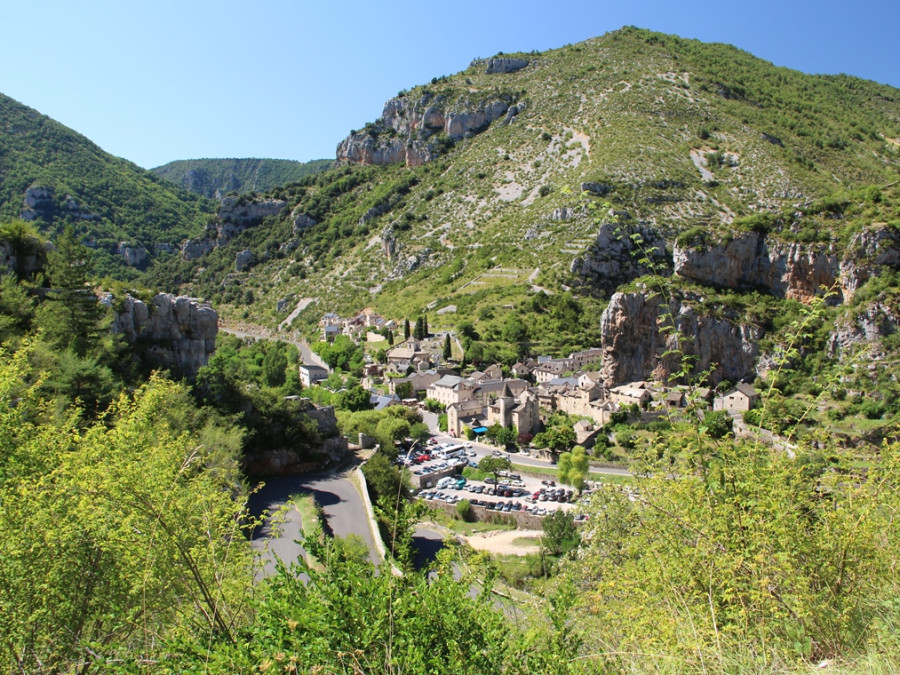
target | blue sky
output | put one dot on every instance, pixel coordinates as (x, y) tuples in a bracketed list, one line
[(155, 81)]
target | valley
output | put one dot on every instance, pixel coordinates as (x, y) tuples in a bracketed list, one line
[(612, 330)]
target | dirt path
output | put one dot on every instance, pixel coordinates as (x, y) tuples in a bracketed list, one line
[(501, 541)]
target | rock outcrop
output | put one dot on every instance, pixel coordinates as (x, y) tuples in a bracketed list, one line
[(753, 261), (327, 448), (235, 215), (863, 330), (173, 333), (405, 130), (191, 249), (240, 213), (39, 203), (637, 338), (504, 64), (619, 254), (135, 256), (750, 261)]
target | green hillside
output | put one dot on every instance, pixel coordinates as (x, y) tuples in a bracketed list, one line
[(108, 200), (676, 134), (217, 177)]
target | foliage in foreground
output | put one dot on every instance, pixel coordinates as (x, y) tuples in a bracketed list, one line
[(348, 618), (116, 535), (734, 549)]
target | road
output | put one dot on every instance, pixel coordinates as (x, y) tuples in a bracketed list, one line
[(307, 355), (341, 505)]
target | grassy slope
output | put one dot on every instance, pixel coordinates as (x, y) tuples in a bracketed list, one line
[(133, 205), (627, 109)]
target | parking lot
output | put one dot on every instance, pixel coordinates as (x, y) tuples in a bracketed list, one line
[(442, 481)]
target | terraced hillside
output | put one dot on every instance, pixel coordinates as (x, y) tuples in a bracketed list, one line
[(634, 128)]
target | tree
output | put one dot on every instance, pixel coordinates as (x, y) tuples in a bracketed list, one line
[(573, 467), (448, 350), (494, 465), (354, 399), (406, 329), (144, 522), (274, 366), (560, 532), (404, 389), (71, 317)]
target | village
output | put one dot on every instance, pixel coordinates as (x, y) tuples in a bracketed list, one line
[(420, 371)]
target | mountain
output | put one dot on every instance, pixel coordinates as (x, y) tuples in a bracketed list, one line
[(214, 178), (52, 175), (493, 168)]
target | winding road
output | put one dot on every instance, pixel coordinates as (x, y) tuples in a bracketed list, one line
[(335, 493)]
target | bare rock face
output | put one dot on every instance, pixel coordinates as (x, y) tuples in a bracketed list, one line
[(135, 256), (636, 335), (238, 214), (751, 261), (863, 330), (405, 129), (301, 221), (174, 333), (191, 249), (38, 203), (504, 64), (235, 215), (243, 259), (788, 270), (619, 254), (866, 252)]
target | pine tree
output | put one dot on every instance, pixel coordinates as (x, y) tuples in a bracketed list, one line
[(71, 317)]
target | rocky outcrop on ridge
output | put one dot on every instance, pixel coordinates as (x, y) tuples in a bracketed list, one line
[(620, 254), (406, 129), (39, 203), (172, 333), (235, 215), (752, 260), (636, 335), (863, 329)]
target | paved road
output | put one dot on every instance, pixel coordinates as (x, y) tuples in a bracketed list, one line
[(306, 354), (335, 493)]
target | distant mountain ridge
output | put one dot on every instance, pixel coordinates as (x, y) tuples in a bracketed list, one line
[(52, 175), (215, 178)]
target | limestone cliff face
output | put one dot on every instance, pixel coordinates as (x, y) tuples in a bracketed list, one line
[(405, 129), (635, 337), (174, 333), (615, 256), (235, 215), (862, 330), (789, 270)]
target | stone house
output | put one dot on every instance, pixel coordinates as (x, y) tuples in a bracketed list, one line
[(741, 398), (311, 374)]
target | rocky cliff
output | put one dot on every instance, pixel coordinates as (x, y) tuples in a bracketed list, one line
[(408, 128), (619, 254), (752, 260), (637, 335), (235, 215), (172, 333)]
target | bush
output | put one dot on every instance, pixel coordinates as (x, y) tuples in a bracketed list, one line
[(464, 510)]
